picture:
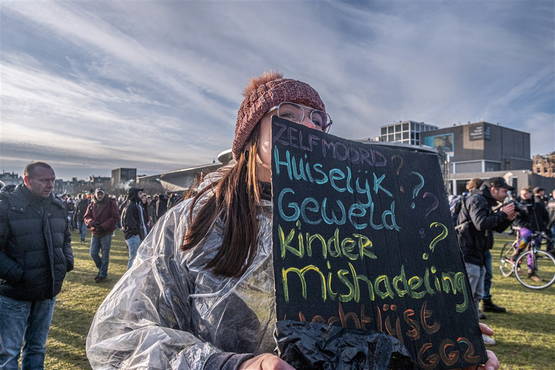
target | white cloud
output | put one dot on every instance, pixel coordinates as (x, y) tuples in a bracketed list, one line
[(161, 81)]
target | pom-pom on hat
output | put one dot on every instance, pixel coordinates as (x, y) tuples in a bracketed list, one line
[(265, 92)]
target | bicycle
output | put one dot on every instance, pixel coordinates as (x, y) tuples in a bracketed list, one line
[(542, 263)]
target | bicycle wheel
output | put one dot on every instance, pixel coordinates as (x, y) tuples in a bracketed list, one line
[(505, 264), (545, 270)]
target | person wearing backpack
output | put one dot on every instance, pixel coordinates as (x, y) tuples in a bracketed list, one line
[(475, 226)]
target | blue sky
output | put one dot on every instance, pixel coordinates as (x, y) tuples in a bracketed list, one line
[(94, 85)]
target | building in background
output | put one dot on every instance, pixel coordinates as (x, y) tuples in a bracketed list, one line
[(479, 149), (181, 180), (483, 150), (122, 176), (406, 132), (544, 165), (99, 182)]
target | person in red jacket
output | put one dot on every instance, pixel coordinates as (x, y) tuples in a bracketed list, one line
[(101, 217)]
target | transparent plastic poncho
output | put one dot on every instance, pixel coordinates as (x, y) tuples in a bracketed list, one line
[(169, 312)]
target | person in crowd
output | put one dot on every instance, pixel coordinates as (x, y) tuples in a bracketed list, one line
[(176, 198), (133, 222), (151, 206), (7, 189), (540, 201), (101, 217), (70, 208), (144, 203), (200, 294), (32, 266), (472, 187), (539, 195), (551, 222), (79, 216), (122, 202), (161, 205), (532, 218), (475, 226)]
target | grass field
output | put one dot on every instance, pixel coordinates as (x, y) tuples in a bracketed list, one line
[(525, 335)]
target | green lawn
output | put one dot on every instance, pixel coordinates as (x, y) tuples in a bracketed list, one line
[(525, 335)]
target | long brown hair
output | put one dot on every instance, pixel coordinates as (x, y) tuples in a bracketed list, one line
[(233, 202)]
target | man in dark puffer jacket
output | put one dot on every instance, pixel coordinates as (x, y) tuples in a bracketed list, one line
[(35, 254)]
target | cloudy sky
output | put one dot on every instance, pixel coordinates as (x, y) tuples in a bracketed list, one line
[(95, 85)]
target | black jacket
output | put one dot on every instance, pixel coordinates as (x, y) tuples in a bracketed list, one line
[(80, 209), (134, 217), (551, 213), (534, 216), (477, 222), (35, 246), (542, 213), (161, 206)]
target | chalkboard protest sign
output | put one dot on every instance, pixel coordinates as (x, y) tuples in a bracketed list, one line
[(363, 239)]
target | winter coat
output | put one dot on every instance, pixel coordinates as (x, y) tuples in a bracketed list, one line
[(101, 217), (35, 246), (161, 206), (80, 209), (133, 220), (533, 216), (152, 213), (542, 213), (551, 212), (476, 223), (169, 312)]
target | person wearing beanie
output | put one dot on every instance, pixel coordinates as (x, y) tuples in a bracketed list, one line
[(201, 291)]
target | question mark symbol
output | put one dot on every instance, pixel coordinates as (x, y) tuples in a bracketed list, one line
[(437, 239), (418, 187), (401, 163), (434, 205), (398, 171)]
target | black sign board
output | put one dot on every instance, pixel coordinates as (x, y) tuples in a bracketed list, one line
[(479, 132), (363, 239)]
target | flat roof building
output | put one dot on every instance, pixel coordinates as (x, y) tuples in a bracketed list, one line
[(483, 150), (123, 175), (406, 132), (481, 147)]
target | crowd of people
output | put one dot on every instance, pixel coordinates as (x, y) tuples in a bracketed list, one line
[(36, 253), (489, 206), (101, 214), (199, 290)]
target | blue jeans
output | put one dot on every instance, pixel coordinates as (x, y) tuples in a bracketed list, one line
[(101, 245), (488, 276), (133, 245), (476, 279), (82, 227), (24, 324)]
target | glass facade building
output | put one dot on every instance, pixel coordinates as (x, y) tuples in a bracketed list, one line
[(407, 132)]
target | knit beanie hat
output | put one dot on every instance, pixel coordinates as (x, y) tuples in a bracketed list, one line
[(265, 92)]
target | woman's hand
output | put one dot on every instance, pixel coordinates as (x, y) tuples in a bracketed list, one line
[(493, 363), (268, 361), (486, 329), (265, 361)]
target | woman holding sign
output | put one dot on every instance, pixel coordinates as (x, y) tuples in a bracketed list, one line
[(200, 294)]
